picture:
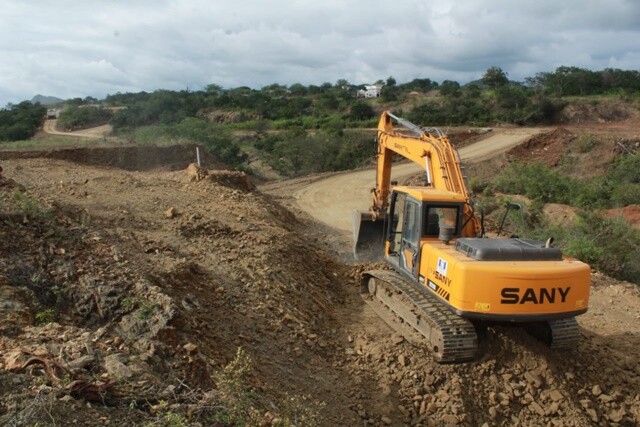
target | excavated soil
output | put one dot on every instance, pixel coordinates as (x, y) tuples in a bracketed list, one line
[(124, 294)]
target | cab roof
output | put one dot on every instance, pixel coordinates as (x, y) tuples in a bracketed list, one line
[(428, 194)]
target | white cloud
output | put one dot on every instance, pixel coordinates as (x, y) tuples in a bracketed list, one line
[(67, 48)]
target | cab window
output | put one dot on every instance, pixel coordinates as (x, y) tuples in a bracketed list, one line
[(411, 232), (440, 216)]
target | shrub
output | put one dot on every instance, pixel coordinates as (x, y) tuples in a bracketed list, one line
[(83, 117), (297, 152), (30, 206), (238, 402), (236, 397), (535, 181), (360, 110), (627, 169), (477, 186), (45, 317), (624, 194), (21, 121), (586, 143), (611, 245)]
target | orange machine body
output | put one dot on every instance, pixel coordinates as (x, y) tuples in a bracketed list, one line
[(515, 280)]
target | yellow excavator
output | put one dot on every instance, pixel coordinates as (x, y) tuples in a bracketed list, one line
[(447, 277)]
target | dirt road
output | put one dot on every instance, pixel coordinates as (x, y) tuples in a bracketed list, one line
[(96, 132), (323, 201)]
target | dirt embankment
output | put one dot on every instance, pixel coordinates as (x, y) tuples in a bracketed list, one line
[(131, 158), (126, 294)]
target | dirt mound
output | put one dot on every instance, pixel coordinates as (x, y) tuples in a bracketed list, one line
[(234, 179), (142, 308), (228, 116), (547, 148), (597, 111), (559, 214)]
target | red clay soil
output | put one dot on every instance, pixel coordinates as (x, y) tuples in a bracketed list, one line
[(631, 213), (547, 148)]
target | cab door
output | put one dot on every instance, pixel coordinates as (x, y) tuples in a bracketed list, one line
[(409, 250)]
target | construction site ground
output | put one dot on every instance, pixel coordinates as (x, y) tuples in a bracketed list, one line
[(128, 284)]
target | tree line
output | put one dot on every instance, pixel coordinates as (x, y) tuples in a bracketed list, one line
[(492, 99)]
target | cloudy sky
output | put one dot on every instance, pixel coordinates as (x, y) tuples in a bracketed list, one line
[(84, 48)]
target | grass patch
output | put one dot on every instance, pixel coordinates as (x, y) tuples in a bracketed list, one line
[(45, 317), (30, 206), (51, 141), (239, 403)]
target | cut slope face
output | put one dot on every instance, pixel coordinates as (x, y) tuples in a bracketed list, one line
[(153, 281)]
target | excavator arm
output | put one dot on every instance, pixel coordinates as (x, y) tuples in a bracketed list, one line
[(430, 149)]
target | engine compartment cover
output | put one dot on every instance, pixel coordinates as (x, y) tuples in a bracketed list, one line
[(507, 249)]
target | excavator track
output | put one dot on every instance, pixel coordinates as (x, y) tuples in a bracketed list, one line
[(563, 334), (452, 338)]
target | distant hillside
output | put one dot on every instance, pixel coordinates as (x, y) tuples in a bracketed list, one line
[(46, 100)]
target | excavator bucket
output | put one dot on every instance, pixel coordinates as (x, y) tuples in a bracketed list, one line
[(368, 236)]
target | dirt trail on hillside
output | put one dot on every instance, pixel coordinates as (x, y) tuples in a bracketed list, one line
[(95, 132)]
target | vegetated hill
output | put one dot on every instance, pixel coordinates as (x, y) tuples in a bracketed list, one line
[(46, 100)]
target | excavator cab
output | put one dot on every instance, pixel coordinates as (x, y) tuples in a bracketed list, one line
[(414, 213), (415, 220)]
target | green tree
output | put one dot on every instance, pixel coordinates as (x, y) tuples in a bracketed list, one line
[(21, 121), (420, 85), (494, 77), (569, 81), (298, 89), (450, 88), (214, 89), (360, 110), (390, 93), (343, 84)]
